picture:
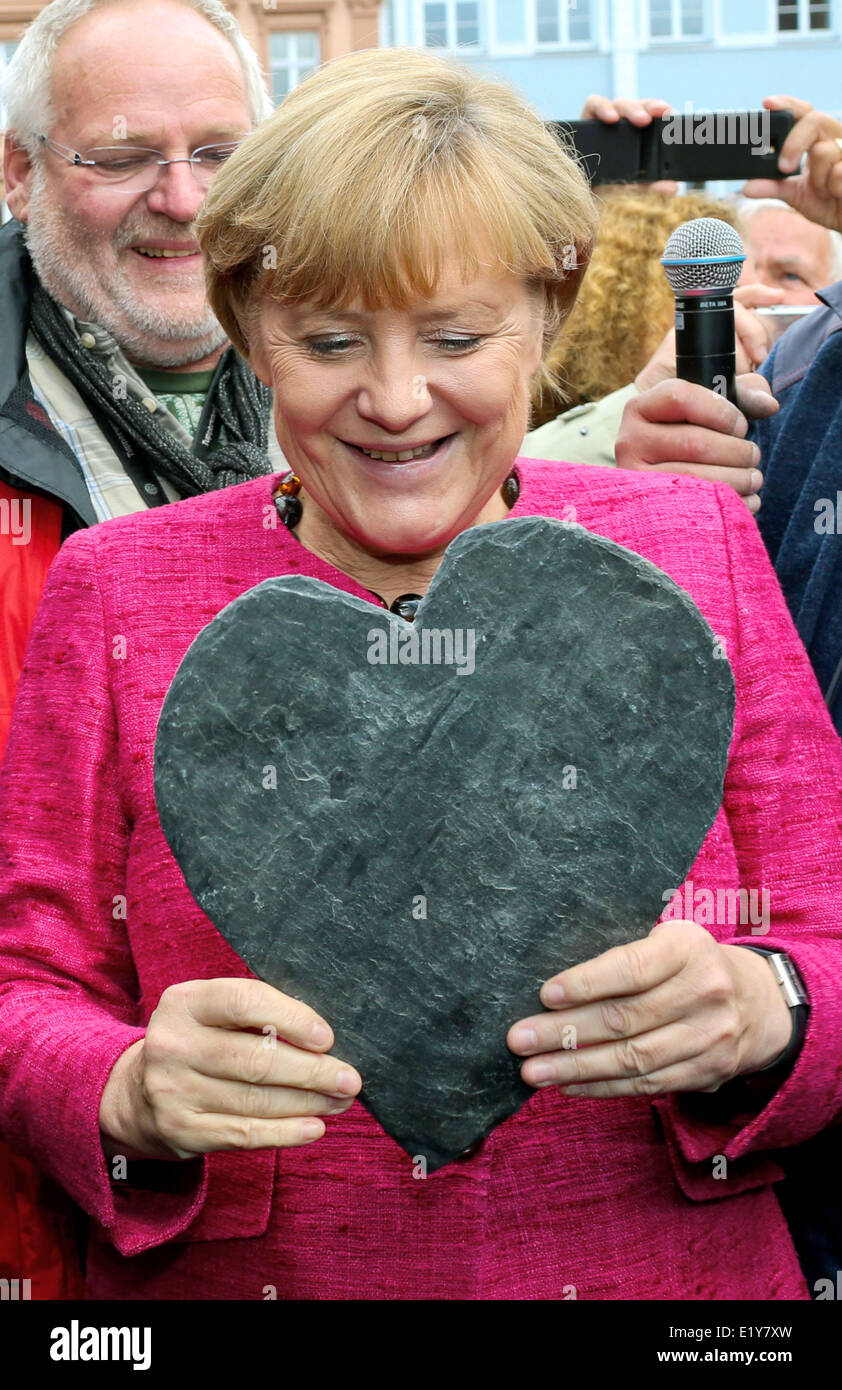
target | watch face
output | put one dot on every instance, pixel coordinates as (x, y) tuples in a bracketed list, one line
[(786, 973), (789, 979)]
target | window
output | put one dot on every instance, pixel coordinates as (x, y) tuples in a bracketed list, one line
[(803, 16), (562, 21), (452, 24), (292, 57), (7, 48), (676, 19), (548, 20)]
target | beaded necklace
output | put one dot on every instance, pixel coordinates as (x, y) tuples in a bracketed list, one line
[(289, 507)]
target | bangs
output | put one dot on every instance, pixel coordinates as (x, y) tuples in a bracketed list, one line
[(392, 255), (379, 173)]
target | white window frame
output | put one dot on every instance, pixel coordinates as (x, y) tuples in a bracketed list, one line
[(4, 210), (661, 40), (3, 65), (452, 49), (492, 46), (564, 44), (294, 65), (772, 36), (803, 31), (393, 25)]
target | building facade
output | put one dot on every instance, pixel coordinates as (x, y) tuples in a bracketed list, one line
[(697, 54), (291, 36), (705, 54)]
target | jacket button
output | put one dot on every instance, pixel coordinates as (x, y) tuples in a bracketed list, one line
[(470, 1151)]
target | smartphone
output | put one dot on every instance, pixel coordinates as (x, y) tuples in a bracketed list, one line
[(689, 147)]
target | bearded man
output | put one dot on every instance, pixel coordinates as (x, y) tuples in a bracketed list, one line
[(117, 388)]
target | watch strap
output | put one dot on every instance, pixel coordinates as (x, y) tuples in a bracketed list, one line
[(795, 993)]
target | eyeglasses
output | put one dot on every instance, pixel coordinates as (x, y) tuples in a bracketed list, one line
[(131, 168)]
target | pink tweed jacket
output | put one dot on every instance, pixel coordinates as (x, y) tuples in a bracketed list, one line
[(570, 1197)]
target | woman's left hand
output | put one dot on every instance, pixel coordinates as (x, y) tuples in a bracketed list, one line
[(676, 1011)]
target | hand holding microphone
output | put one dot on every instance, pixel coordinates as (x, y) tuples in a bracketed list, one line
[(698, 423), (702, 261)]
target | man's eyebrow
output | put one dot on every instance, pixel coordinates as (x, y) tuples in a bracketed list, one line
[(223, 135), (789, 263)]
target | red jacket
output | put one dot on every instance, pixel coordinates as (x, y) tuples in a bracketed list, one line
[(36, 1238), (612, 1198), (30, 535)]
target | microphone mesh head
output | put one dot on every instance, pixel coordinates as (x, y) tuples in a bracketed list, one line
[(705, 254)]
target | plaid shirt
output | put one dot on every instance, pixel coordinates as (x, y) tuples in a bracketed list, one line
[(112, 491)]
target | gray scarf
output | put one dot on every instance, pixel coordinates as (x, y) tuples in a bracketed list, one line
[(231, 440)]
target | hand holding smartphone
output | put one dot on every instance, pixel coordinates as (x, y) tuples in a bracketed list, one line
[(689, 147)]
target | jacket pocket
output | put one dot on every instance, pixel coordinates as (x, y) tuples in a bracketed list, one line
[(238, 1203)]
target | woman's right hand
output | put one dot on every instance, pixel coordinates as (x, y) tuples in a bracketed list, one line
[(225, 1064)]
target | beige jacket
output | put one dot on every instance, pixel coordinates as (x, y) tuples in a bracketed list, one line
[(585, 434)]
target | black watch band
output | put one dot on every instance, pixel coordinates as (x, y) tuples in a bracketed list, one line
[(795, 994)]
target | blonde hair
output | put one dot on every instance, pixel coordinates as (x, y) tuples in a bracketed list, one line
[(370, 169), (626, 305)]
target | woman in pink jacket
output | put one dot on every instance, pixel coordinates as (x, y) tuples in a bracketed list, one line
[(394, 250)]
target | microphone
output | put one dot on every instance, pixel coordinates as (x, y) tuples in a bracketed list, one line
[(702, 261)]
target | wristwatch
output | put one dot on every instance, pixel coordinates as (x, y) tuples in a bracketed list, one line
[(795, 994)]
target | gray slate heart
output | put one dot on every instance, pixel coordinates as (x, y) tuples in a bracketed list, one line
[(413, 847)]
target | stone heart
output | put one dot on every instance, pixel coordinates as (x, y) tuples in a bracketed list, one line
[(413, 846)]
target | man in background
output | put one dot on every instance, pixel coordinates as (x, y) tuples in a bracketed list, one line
[(788, 252), (117, 388)]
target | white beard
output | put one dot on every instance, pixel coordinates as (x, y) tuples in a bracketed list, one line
[(95, 290)]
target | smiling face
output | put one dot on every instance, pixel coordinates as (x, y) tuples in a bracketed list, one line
[(402, 424), (156, 75)]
